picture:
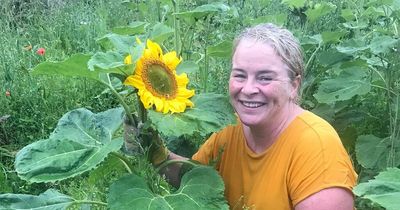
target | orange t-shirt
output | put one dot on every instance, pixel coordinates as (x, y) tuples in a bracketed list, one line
[(307, 157)]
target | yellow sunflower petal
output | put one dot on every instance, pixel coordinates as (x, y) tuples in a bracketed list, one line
[(135, 81), (159, 104), (171, 60), (185, 93), (128, 59), (166, 107), (155, 49), (177, 106), (147, 99), (182, 80)]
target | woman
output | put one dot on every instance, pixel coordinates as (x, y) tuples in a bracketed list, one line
[(279, 156)]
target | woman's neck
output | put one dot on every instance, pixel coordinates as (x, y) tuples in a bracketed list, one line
[(262, 136)]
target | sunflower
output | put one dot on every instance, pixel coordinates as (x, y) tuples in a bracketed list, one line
[(157, 82)]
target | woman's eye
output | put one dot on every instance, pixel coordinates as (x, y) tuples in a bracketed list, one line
[(265, 79), (241, 76)]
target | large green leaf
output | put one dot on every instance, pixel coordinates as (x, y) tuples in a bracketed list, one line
[(79, 143), (88, 128), (136, 27), (222, 49), (161, 32), (120, 43), (201, 188), (53, 159), (384, 189), (187, 67), (294, 3), (211, 112), (352, 46), (350, 82), (107, 60), (373, 152), (74, 66), (202, 11), (49, 200), (319, 10), (382, 44)]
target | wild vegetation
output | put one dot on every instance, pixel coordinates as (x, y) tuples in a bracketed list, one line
[(352, 80)]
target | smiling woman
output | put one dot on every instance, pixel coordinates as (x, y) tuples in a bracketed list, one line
[(278, 156)]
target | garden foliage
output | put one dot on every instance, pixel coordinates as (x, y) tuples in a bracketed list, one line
[(351, 79)]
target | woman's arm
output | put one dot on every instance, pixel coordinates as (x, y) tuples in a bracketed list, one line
[(334, 198)]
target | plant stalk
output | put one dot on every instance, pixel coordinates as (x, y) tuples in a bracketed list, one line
[(177, 28), (125, 161), (124, 105), (169, 162)]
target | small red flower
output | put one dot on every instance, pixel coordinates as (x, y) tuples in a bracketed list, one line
[(41, 51), (8, 93)]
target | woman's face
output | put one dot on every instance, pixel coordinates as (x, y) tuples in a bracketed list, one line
[(259, 85)]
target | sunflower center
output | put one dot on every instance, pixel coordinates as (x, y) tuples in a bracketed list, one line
[(159, 80)]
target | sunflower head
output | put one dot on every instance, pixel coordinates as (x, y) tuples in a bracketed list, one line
[(157, 82)]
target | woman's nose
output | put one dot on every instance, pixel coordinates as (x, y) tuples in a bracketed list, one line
[(250, 88)]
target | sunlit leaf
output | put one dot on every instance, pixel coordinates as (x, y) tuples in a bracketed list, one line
[(74, 66), (332, 36), (161, 32), (350, 82), (277, 19), (211, 113), (49, 200), (331, 56), (352, 46), (187, 67), (294, 3), (88, 128), (356, 25), (382, 44), (201, 188), (120, 43), (372, 152), (108, 60), (319, 10), (384, 189), (222, 49), (79, 143), (347, 14), (203, 11), (136, 27)]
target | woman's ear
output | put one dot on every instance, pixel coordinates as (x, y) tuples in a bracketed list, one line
[(296, 86)]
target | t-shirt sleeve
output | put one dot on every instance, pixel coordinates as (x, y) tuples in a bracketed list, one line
[(319, 161)]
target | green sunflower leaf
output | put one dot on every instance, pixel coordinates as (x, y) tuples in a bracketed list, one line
[(201, 188), (222, 49), (202, 11), (319, 10), (136, 27), (211, 112), (384, 189), (161, 32), (372, 152), (75, 66), (350, 82), (79, 143), (49, 200)]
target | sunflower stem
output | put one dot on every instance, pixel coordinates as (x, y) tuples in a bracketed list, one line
[(176, 27), (142, 111), (124, 105)]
